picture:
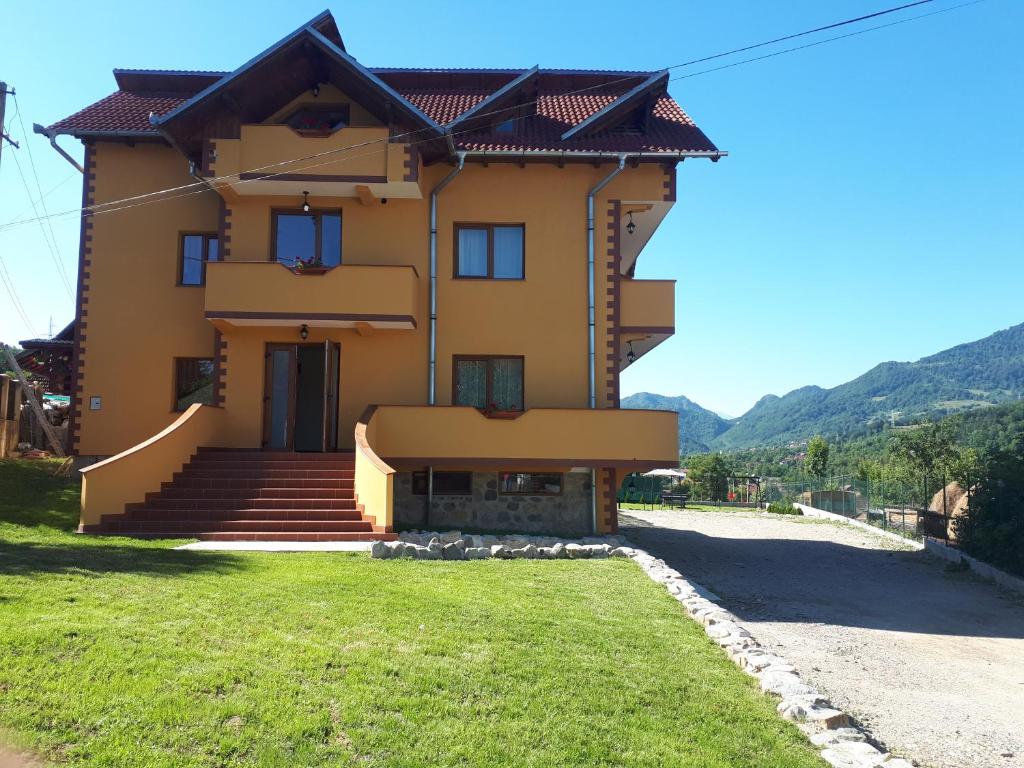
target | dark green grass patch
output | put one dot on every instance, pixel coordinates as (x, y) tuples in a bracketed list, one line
[(116, 652)]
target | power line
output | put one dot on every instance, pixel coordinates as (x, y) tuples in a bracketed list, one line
[(43, 221), (55, 252), (212, 182), (5, 277), (827, 39)]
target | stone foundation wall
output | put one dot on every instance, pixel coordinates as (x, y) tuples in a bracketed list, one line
[(568, 514)]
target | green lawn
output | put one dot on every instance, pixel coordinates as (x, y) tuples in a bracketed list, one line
[(689, 507), (115, 652)]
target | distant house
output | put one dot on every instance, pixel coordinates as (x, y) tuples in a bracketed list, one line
[(49, 360), (377, 298)]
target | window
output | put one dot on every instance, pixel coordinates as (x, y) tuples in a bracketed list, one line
[(495, 383), (319, 120), (193, 381), (506, 126), (312, 238), (531, 483), (445, 483), (196, 250), (490, 251)]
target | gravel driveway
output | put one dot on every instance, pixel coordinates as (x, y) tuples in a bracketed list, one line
[(930, 661)]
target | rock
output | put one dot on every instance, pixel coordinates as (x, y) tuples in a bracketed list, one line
[(620, 552), (501, 551), (409, 551), (461, 544), (576, 552), (435, 544), (825, 718), (784, 684), (853, 754), (837, 736), (451, 551), (722, 629), (380, 550), (529, 552), (598, 550), (545, 553), (558, 551), (424, 553), (477, 553), (450, 537), (899, 762)]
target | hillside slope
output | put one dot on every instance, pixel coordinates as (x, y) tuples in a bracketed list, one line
[(972, 375), (698, 427)]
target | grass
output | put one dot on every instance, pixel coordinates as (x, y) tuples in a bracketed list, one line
[(689, 507), (117, 652)]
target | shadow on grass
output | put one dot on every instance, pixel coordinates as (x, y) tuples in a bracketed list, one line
[(33, 558)]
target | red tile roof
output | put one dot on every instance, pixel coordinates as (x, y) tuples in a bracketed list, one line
[(561, 104), (120, 111)]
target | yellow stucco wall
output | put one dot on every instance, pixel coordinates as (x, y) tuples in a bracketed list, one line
[(139, 319)]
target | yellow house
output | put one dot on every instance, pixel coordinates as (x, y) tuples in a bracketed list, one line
[(322, 301)]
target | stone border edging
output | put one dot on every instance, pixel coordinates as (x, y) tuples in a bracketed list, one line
[(1005, 580), (821, 514), (934, 547)]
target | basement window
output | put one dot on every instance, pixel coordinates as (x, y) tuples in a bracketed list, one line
[(445, 483), (193, 381), (530, 483)]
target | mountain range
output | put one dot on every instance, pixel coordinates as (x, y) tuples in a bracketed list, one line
[(977, 374)]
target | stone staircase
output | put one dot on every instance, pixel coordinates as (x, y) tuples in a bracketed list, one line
[(251, 495)]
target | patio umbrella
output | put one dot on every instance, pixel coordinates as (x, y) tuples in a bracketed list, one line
[(665, 473)]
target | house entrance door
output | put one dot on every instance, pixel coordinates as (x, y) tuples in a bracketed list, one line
[(300, 398)]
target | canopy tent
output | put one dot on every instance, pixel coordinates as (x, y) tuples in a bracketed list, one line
[(666, 473)]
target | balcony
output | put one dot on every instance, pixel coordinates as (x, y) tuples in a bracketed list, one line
[(411, 436), (266, 293), (647, 316), (352, 162)]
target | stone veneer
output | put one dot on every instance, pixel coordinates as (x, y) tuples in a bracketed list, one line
[(567, 514)]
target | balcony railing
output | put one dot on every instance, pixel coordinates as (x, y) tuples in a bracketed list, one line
[(648, 304), (269, 293), (275, 160), (454, 435)]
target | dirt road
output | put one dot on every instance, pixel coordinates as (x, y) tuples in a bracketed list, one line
[(930, 661)]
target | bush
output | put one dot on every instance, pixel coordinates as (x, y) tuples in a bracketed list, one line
[(992, 529), (783, 508)]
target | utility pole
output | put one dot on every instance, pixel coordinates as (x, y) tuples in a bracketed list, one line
[(3, 107)]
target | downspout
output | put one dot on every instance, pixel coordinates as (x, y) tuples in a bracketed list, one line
[(432, 372), (52, 136), (591, 327)]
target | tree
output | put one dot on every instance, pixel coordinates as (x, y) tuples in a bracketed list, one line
[(709, 474), (816, 461), (993, 527), (927, 454)]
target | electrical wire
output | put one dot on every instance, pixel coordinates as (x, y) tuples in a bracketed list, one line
[(826, 40), (42, 198), (5, 277), (213, 181), (50, 246)]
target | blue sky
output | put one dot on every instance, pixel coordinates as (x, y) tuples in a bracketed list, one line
[(871, 208)]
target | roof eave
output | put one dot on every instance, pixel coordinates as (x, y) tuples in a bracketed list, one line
[(231, 76), (624, 102)]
